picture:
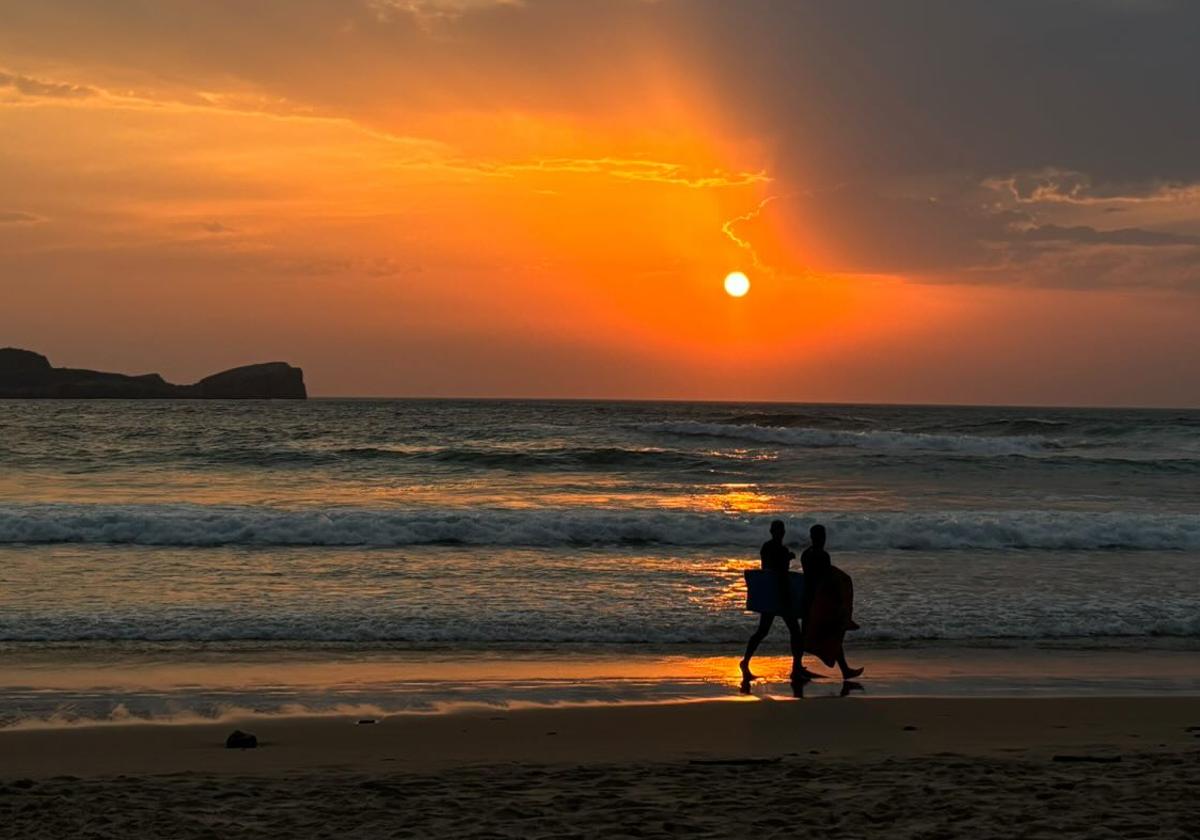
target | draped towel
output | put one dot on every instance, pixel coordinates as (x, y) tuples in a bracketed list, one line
[(830, 616)]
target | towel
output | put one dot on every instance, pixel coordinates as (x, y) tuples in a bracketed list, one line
[(830, 615)]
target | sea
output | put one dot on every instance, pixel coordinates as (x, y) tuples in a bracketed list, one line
[(196, 560)]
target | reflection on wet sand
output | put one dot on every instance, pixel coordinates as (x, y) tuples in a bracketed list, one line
[(81, 683)]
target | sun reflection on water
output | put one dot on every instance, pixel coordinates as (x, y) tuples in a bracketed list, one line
[(736, 497)]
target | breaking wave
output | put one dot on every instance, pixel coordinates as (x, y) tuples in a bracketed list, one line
[(200, 525), (887, 441)]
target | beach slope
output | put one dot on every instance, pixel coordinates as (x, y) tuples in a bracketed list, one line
[(984, 768)]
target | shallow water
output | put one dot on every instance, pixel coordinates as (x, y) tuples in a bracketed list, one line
[(541, 598), (88, 685), (553, 529)]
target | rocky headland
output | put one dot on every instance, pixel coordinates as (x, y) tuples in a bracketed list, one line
[(28, 375)]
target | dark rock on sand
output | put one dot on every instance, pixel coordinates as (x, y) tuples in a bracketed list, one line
[(239, 740), (28, 375), (1087, 759)]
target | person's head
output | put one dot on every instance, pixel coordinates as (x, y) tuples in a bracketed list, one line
[(817, 534), (777, 529)]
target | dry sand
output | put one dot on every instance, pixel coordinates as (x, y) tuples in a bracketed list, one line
[(903, 768)]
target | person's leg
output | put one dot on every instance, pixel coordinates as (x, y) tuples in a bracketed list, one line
[(764, 626), (796, 637), (848, 673), (805, 608)]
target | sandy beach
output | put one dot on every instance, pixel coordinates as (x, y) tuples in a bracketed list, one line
[(1121, 767)]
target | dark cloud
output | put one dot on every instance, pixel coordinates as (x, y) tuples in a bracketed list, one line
[(969, 85), (1059, 265), (1044, 104), (861, 228), (1121, 236)]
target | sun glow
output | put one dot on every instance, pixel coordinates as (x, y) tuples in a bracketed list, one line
[(736, 284)]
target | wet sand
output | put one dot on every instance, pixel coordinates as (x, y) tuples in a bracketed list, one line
[(862, 767), (56, 685)]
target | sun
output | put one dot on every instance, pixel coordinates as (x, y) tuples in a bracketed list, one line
[(736, 284)]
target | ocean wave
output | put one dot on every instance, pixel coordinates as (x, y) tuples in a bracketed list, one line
[(882, 440), (1009, 426), (483, 457), (806, 419), (200, 525), (604, 457), (219, 630)]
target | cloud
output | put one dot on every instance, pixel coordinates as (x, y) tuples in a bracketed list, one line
[(432, 12), (862, 85), (1086, 235), (38, 88), (954, 142), (338, 266), (1056, 265), (729, 228), (16, 217), (660, 172), (1059, 186)]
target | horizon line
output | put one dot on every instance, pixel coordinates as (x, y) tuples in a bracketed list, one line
[(727, 401)]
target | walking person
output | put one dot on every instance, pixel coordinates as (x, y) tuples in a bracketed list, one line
[(777, 559), (827, 607)]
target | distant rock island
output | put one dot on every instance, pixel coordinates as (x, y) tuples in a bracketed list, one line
[(28, 375)]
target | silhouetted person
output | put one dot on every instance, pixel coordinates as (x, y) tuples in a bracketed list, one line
[(816, 564), (829, 590), (777, 559)]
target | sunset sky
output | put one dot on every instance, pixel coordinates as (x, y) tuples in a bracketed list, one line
[(960, 201)]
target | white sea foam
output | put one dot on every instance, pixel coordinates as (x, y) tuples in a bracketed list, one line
[(199, 525), (884, 619), (883, 440)]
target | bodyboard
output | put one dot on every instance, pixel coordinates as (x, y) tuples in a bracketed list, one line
[(763, 595)]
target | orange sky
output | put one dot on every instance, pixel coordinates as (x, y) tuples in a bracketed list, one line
[(540, 199)]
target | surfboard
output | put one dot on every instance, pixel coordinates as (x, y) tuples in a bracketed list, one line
[(762, 592)]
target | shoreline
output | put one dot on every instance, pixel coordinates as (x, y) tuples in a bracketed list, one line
[(83, 687), (860, 729)]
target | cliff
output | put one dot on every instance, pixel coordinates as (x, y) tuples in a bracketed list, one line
[(28, 375), (271, 380)]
